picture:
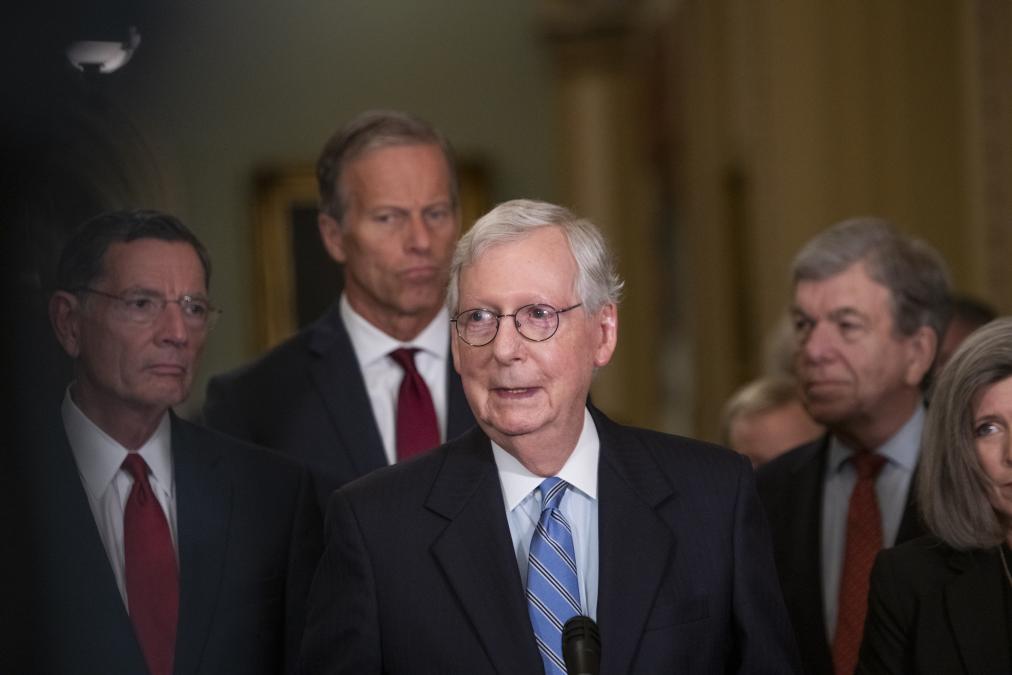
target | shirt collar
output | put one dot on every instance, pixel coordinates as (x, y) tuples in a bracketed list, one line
[(902, 449), (371, 344), (580, 470), (99, 456)]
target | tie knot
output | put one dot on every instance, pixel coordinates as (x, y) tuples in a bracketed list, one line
[(405, 358), (868, 464), (135, 465), (552, 490)]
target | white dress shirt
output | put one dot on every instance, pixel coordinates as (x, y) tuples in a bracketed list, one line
[(891, 487), (99, 461), (579, 506), (383, 376)]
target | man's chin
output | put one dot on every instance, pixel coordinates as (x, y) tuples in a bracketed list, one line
[(827, 413)]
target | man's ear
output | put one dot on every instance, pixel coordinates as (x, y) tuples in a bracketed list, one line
[(922, 347), (606, 327), (332, 236), (65, 316)]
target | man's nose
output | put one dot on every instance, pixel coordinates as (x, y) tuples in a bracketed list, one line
[(418, 236), (508, 343), (171, 325), (819, 342)]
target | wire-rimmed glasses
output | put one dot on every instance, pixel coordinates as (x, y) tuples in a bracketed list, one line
[(143, 308), (538, 322)]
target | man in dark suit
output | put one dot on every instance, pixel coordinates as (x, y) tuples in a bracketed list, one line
[(471, 559), (869, 308), (156, 546), (333, 395)]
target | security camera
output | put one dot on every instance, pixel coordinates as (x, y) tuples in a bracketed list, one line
[(103, 56)]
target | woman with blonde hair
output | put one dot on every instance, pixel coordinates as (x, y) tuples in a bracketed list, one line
[(943, 603)]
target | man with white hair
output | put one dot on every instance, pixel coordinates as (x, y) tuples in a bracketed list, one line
[(472, 559)]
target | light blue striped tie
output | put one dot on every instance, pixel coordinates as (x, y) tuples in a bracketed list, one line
[(553, 594)]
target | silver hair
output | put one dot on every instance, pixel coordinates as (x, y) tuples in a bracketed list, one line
[(952, 487), (911, 269), (597, 281)]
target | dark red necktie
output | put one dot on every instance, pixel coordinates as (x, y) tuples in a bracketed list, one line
[(864, 540), (152, 579), (417, 429)]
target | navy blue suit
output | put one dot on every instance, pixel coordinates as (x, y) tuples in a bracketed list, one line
[(791, 488), (419, 573), (249, 538), (307, 399)]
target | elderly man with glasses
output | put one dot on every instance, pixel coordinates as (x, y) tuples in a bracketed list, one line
[(478, 557), (158, 546)]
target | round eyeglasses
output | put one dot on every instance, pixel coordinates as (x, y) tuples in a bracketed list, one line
[(478, 327), (144, 307)]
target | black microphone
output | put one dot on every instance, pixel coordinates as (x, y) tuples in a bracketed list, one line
[(581, 646)]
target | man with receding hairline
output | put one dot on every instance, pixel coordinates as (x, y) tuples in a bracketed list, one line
[(473, 558), (157, 546)]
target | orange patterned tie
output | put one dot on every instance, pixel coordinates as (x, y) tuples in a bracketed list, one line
[(864, 540)]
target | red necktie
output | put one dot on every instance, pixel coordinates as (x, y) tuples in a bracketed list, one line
[(152, 580), (864, 539), (417, 429)]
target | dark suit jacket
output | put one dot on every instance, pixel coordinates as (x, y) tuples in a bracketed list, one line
[(933, 609), (306, 398), (791, 488), (420, 575), (249, 537)]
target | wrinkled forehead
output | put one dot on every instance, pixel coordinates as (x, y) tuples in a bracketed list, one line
[(539, 261), (852, 288), (152, 263)]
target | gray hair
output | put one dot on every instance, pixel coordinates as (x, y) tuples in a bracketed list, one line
[(911, 269), (372, 130), (952, 487), (597, 281)]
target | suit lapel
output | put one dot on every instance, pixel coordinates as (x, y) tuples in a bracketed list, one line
[(635, 545), (80, 590), (476, 554), (803, 591), (977, 610), (339, 381), (203, 511)]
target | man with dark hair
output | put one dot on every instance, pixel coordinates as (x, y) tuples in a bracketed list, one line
[(870, 306), (158, 546), (371, 381)]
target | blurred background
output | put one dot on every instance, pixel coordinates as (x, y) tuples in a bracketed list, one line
[(709, 138)]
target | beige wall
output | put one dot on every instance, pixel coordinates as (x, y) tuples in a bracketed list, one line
[(799, 114), (708, 138)]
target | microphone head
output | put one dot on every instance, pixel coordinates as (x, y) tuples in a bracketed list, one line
[(581, 646)]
